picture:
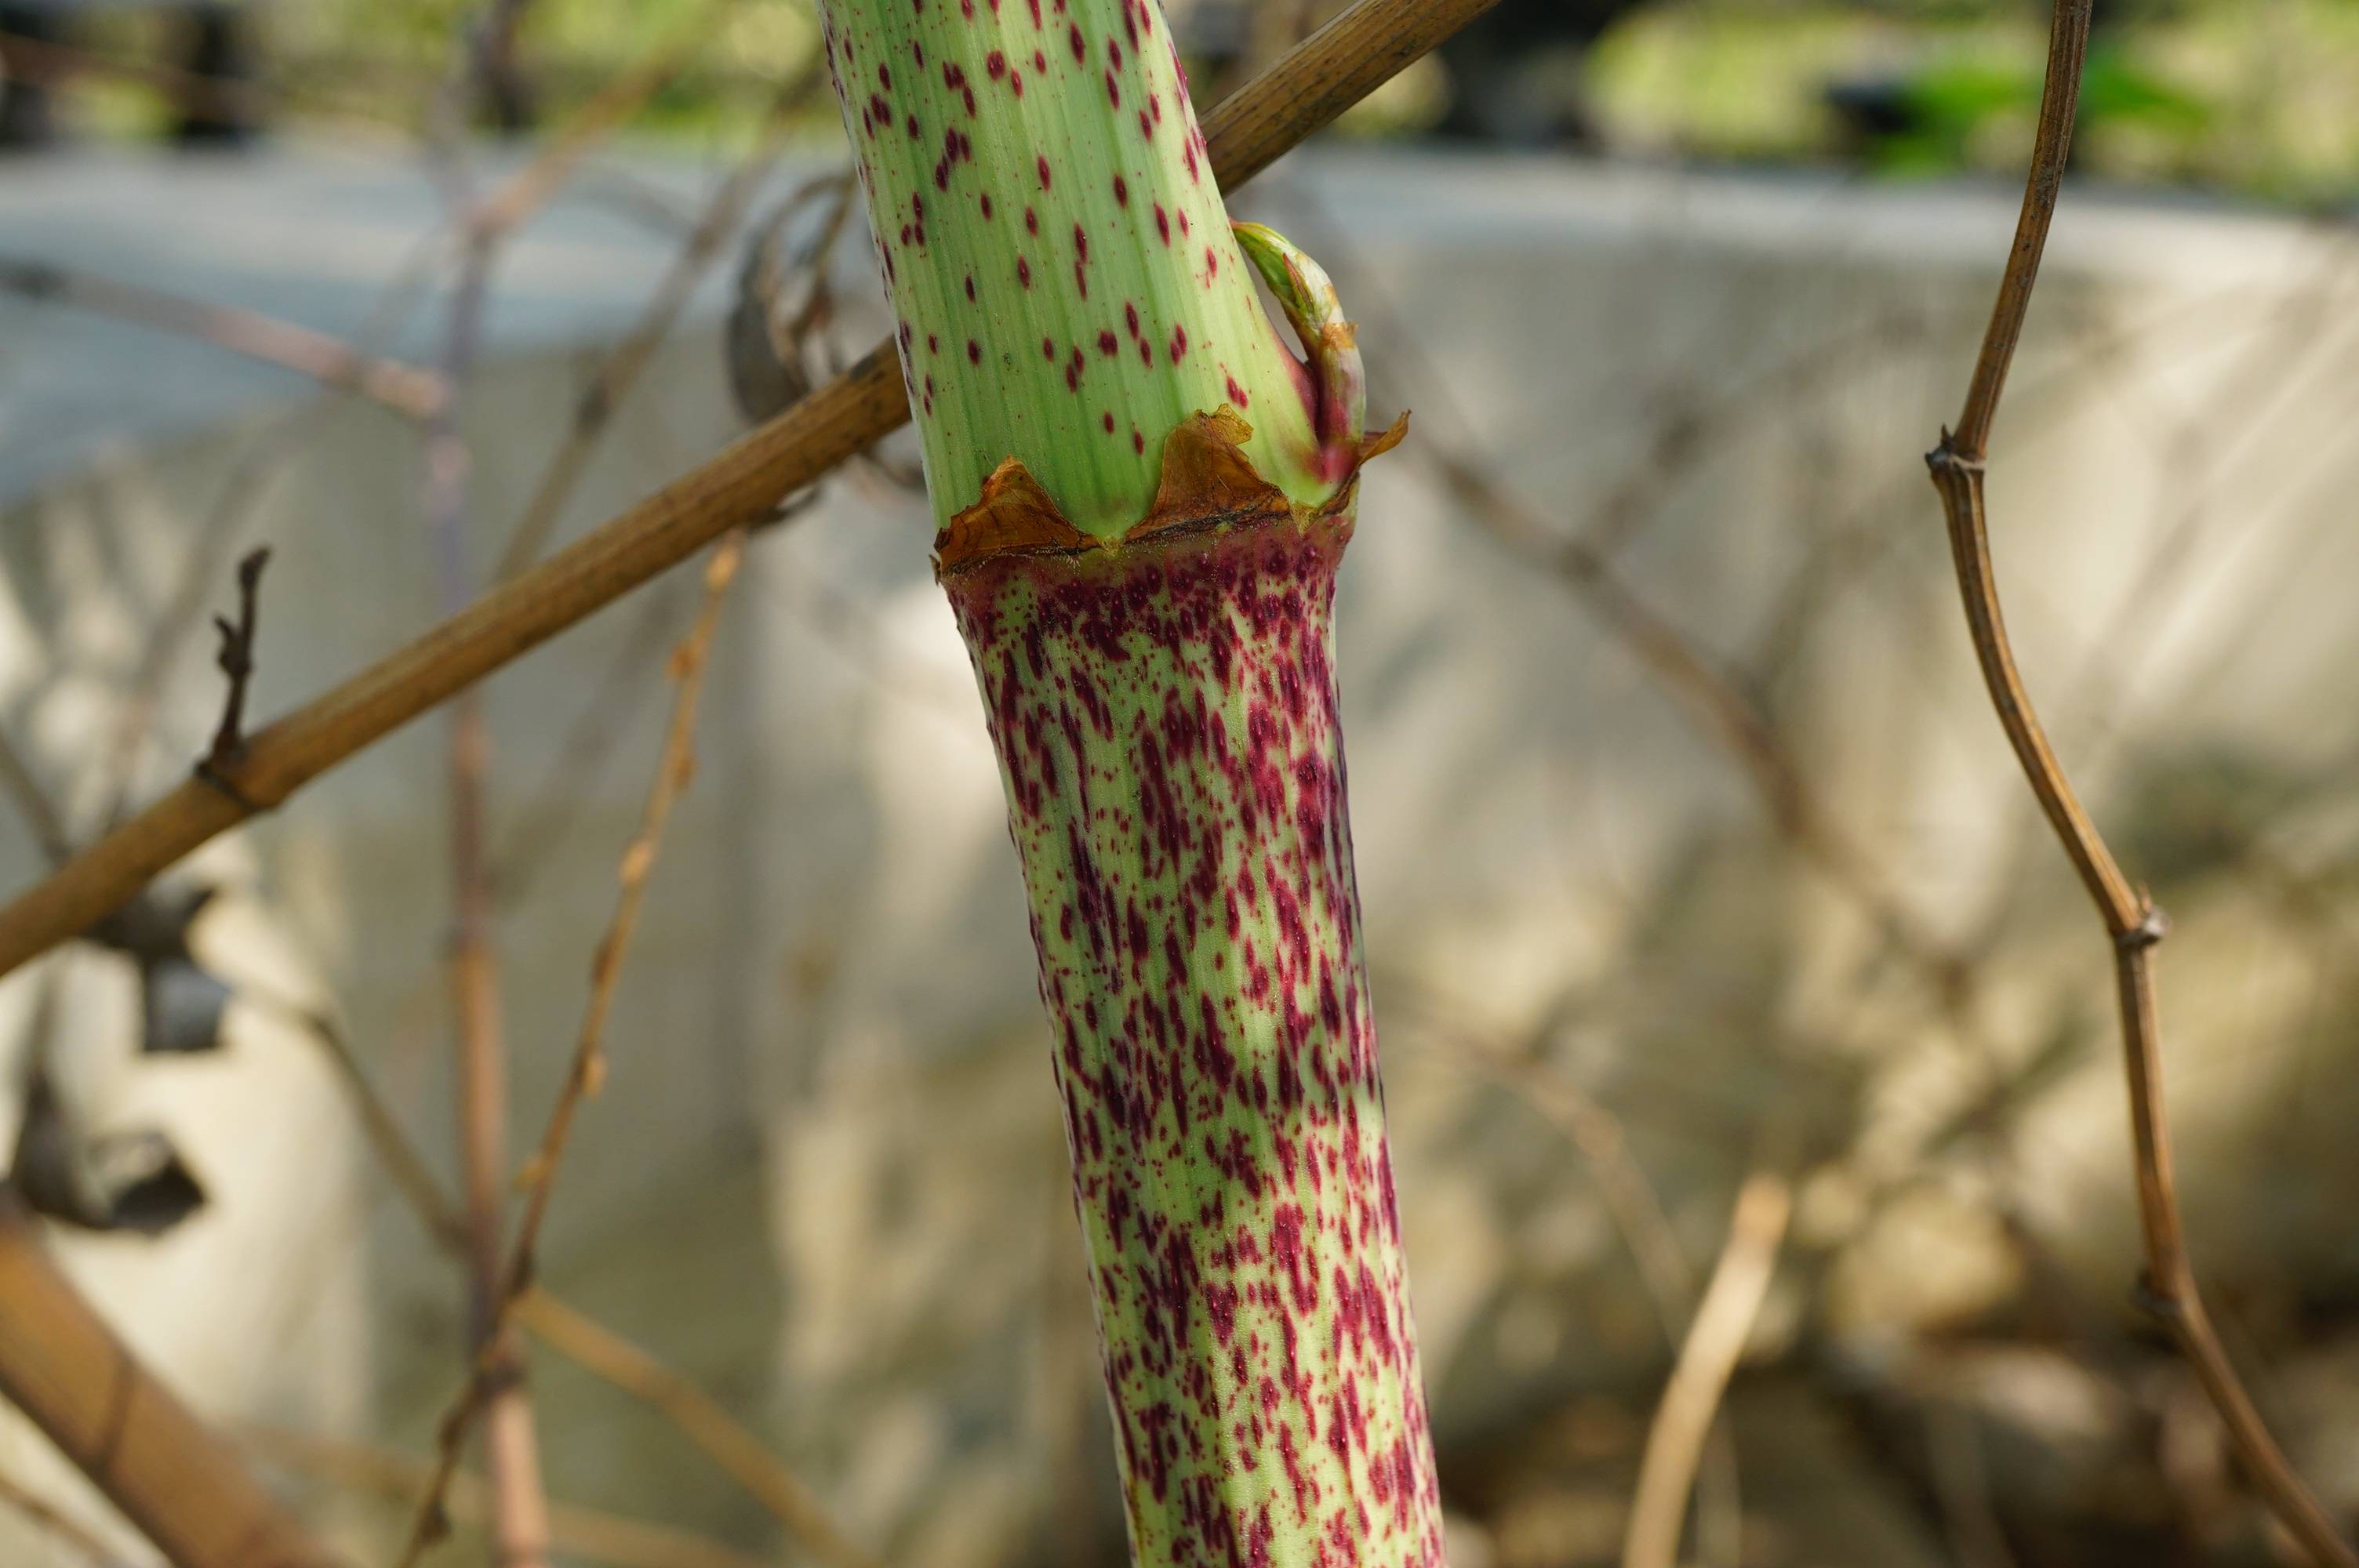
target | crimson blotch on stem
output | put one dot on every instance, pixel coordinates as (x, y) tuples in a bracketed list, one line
[(1143, 496)]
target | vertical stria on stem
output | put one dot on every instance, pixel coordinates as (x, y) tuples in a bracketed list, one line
[(1144, 497)]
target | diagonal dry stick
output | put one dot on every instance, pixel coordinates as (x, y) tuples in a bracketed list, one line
[(571, 1333), (1337, 66), (593, 1535), (33, 803), (480, 1075), (502, 1283), (2132, 923), (1632, 1203), (56, 1522), (698, 1416), (594, 412), (409, 390), (1715, 1339)]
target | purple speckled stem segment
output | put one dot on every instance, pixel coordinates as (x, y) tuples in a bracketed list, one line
[(1165, 714), (1143, 497)]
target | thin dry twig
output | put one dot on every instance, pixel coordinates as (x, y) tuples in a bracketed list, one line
[(674, 771), (2132, 923), (256, 468), (588, 1074), (571, 1333), (593, 412), (1708, 1357), (699, 1418), (235, 658), (406, 389), (1631, 1202), (403, 1163), (593, 1535), (1712, 700), (56, 1522), (33, 803), (530, 187), (742, 483), (610, 706), (511, 1438)]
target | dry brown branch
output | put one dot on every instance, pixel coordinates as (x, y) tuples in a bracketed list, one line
[(502, 1283), (674, 771), (235, 658), (1722, 711), (2192, 452), (511, 1439), (593, 1535), (569, 782), (407, 1169), (408, 390), (186, 607), (1632, 1203), (177, 1482), (580, 1339), (594, 412), (261, 462), (530, 187), (55, 1522), (1723, 1321), (699, 1418), (2132, 923), (740, 484)]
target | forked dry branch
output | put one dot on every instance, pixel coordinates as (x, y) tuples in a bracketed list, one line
[(411, 390), (500, 1279), (2132, 923)]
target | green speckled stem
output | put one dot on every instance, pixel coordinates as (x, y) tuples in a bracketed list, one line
[(1164, 708), (1056, 249)]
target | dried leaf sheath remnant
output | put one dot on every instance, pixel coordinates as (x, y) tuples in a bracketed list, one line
[(2132, 922), (1305, 91)]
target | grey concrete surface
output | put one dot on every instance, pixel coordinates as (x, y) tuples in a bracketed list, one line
[(827, 1175)]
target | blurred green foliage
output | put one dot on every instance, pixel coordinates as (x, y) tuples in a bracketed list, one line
[(2260, 97)]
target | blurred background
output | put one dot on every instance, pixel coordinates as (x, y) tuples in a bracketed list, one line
[(1692, 855)]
